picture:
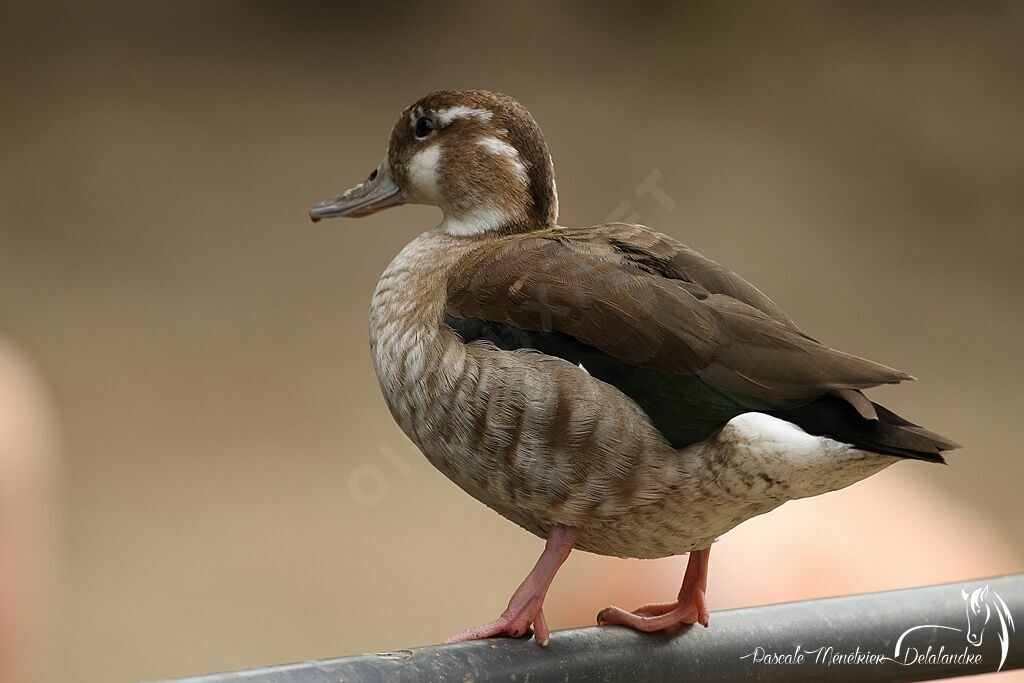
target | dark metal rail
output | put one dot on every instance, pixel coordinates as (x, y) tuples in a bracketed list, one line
[(850, 638)]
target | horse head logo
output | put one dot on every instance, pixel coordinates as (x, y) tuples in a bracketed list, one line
[(981, 605)]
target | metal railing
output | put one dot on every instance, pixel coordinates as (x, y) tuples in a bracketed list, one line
[(907, 635)]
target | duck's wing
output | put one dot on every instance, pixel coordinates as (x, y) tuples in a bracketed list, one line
[(646, 300), (691, 342)]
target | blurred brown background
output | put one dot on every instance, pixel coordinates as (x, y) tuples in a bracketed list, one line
[(234, 491)]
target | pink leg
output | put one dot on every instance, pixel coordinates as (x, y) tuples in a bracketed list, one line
[(691, 608), (526, 606)]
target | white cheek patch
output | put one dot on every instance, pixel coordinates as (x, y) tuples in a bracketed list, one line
[(501, 148), (498, 146), (446, 116), (424, 171)]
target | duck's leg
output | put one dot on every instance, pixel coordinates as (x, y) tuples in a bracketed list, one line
[(527, 603), (690, 608)]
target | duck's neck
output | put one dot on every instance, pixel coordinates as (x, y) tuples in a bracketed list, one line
[(478, 222), (508, 207), (490, 220)]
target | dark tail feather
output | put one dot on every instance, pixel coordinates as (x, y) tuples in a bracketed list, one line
[(838, 419)]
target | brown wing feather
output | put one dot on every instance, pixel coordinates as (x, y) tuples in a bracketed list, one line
[(771, 360), (647, 300), (580, 288), (678, 262)]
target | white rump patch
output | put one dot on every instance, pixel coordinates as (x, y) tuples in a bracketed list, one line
[(809, 465), (502, 148), (446, 116), (424, 172), (475, 222), (764, 431)]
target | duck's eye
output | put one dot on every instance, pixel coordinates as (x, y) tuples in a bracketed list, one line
[(423, 126)]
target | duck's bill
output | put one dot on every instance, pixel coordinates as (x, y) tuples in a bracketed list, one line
[(377, 192)]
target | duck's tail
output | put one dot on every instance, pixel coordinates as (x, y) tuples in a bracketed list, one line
[(855, 420)]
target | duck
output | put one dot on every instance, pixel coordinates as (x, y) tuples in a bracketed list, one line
[(606, 388)]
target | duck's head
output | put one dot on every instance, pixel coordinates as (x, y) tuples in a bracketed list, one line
[(477, 155)]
